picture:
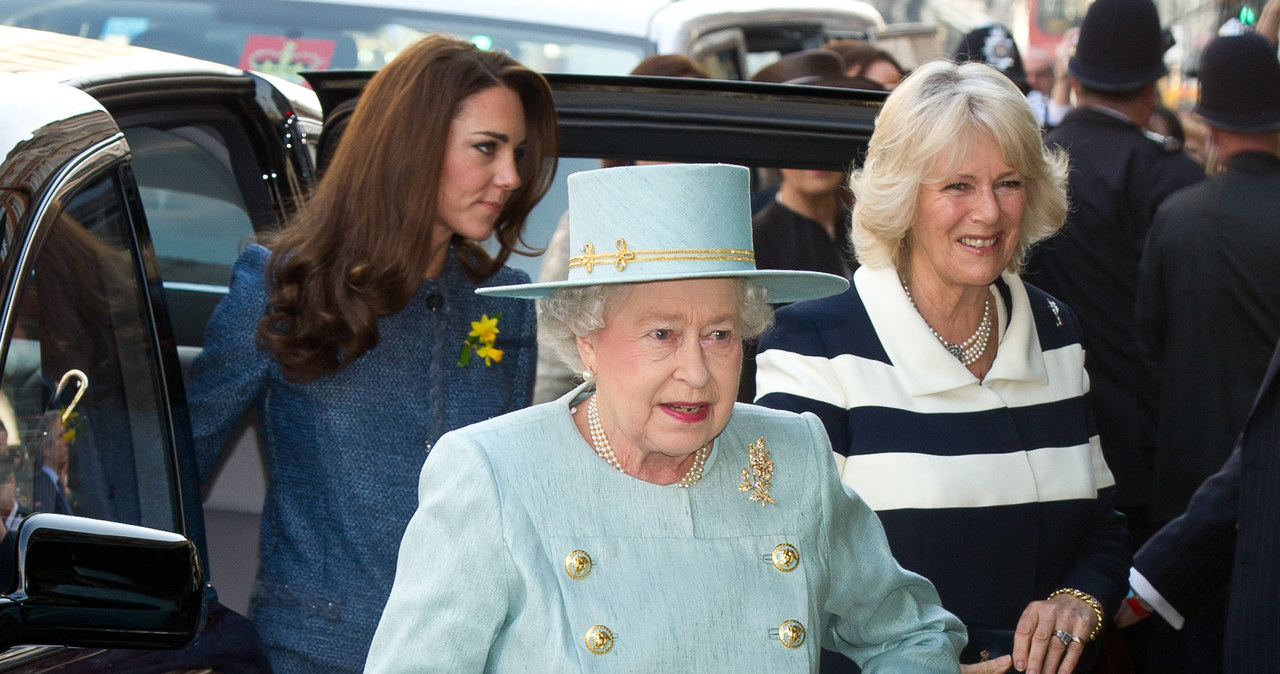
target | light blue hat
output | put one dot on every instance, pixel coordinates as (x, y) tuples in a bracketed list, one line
[(666, 222)]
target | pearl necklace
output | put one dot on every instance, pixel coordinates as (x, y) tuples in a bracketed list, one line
[(970, 350), (600, 443)]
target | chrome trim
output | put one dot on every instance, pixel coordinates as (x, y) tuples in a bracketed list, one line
[(196, 287)]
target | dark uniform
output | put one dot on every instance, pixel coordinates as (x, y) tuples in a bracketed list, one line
[(1209, 318), (785, 239), (1119, 175)]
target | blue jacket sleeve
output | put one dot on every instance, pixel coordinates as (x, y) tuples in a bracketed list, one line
[(1105, 552), (1102, 562), (1189, 560), (231, 372)]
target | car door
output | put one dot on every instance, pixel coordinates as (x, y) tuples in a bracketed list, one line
[(218, 159), (92, 409), (219, 154)]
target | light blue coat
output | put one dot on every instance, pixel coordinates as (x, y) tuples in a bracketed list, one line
[(683, 579)]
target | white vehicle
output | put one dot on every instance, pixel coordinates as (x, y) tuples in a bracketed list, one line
[(731, 38)]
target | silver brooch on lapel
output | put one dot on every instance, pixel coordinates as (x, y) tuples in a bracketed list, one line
[(757, 477), (1053, 306)]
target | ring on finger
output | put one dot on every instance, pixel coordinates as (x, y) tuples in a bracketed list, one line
[(1067, 638)]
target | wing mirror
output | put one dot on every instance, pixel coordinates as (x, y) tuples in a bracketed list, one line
[(92, 583)]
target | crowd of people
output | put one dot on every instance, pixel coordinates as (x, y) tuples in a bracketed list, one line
[(1013, 344)]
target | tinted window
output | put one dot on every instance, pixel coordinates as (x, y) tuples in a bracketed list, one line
[(80, 407), (197, 213)]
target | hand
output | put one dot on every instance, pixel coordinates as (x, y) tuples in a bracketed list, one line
[(998, 666), (1065, 49), (1035, 648), (1061, 91), (1126, 616), (1269, 21)]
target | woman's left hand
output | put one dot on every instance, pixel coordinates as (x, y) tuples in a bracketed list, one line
[(1037, 648)]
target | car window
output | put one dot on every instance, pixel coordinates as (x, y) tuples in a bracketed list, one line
[(197, 213), (79, 399)]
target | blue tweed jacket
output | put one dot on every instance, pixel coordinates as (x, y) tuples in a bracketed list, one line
[(343, 452)]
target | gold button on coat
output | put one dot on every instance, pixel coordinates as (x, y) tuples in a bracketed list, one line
[(577, 564), (785, 557), (600, 639), (791, 634)]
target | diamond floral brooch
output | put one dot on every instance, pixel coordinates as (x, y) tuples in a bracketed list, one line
[(757, 477)]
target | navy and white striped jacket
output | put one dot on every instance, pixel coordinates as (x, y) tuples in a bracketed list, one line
[(996, 490)]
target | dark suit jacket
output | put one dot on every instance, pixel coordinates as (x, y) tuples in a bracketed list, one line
[(1230, 535), (47, 496)]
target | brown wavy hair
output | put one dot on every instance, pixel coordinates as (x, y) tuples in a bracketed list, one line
[(358, 249)]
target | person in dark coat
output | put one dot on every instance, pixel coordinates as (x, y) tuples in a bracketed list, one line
[(1226, 542), (1209, 283), (1209, 314), (1119, 176), (804, 224), (49, 484)]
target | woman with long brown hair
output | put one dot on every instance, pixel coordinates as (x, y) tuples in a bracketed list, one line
[(357, 336)]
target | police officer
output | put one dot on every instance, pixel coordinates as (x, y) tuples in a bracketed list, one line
[(1119, 175), (1209, 315)]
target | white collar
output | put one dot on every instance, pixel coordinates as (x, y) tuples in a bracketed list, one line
[(924, 366)]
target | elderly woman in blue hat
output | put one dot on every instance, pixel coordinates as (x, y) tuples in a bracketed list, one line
[(644, 521)]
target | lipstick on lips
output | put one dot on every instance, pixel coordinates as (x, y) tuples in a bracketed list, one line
[(689, 413)]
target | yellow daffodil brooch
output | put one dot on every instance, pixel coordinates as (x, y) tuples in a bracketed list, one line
[(484, 333)]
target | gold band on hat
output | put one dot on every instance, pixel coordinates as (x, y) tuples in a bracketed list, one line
[(622, 256)]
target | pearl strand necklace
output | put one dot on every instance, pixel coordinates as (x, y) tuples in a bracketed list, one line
[(970, 350), (600, 443)]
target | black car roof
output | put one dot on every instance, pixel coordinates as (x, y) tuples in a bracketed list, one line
[(690, 120)]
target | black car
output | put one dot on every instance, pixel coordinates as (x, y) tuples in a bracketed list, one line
[(121, 165), (103, 534)]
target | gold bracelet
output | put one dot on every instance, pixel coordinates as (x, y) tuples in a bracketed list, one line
[(1088, 599)]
